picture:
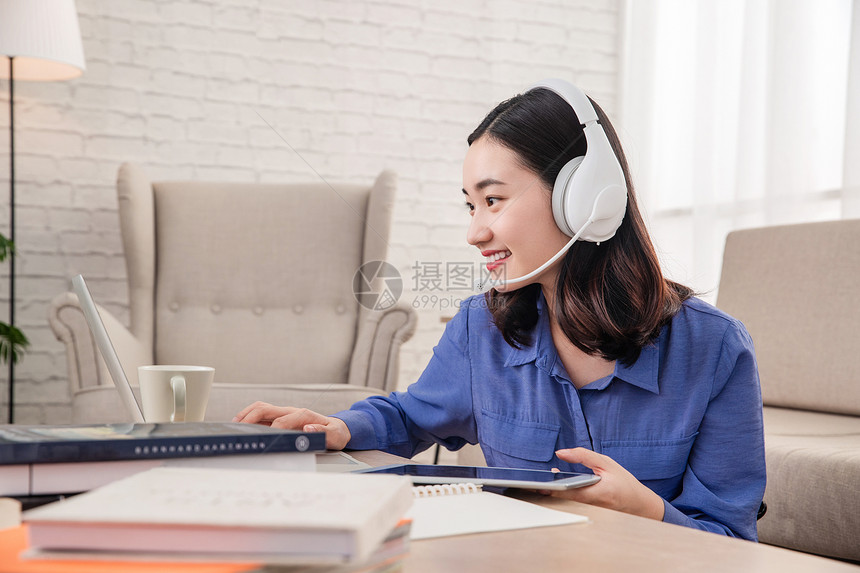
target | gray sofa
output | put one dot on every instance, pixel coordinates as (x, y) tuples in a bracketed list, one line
[(255, 280), (797, 290)]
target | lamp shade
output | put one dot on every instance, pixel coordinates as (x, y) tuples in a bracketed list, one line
[(44, 38)]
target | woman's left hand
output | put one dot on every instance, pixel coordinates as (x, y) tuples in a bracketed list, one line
[(617, 488)]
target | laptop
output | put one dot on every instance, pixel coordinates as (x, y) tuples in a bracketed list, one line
[(105, 346)]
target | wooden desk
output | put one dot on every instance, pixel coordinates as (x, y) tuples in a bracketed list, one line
[(611, 541)]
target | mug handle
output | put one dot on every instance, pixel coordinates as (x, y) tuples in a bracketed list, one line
[(177, 384)]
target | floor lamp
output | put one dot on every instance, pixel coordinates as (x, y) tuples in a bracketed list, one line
[(42, 42)]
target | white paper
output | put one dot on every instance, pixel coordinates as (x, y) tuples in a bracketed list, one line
[(459, 514)]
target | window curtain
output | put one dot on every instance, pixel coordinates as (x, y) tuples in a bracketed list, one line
[(738, 113)]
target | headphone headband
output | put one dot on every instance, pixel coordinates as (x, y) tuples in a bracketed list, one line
[(589, 198), (580, 103)]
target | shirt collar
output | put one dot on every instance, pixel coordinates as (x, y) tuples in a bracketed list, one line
[(642, 373)]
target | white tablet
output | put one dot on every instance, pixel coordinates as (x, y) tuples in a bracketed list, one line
[(497, 477)]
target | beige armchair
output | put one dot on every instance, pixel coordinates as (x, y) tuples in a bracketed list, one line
[(255, 280)]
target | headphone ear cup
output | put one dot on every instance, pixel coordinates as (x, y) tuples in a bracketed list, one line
[(561, 195), (610, 206), (596, 190), (589, 197)]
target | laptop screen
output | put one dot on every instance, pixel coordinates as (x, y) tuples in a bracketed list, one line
[(97, 328)]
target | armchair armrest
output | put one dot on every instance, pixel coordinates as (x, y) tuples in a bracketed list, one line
[(86, 368), (375, 359)]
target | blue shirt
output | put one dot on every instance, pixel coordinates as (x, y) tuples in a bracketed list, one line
[(685, 419)]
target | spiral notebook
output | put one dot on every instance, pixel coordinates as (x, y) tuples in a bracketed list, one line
[(459, 509)]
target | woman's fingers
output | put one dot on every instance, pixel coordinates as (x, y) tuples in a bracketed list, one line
[(336, 433), (298, 418), (288, 418), (617, 489), (261, 413), (588, 458)]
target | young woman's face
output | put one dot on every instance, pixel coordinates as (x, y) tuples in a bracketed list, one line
[(511, 208)]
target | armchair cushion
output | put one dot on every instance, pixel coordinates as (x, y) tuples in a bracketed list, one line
[(225, 400)]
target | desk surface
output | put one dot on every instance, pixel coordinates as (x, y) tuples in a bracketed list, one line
[(610, 541)]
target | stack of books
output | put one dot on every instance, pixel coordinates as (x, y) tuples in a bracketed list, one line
[(230, 515)]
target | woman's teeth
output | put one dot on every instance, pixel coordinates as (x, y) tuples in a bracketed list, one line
[(499, 255)]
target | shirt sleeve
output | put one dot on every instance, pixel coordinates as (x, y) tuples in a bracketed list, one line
[(724, 483), (435, 409)]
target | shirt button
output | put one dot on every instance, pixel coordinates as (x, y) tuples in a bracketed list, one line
[(340, 309), (298, 309), (216, 309), (258, 310), (174, 306)]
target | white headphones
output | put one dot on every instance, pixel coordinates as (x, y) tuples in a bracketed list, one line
[(589, 198)]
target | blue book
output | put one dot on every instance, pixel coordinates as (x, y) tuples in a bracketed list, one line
[(41, 460), (22, 444)]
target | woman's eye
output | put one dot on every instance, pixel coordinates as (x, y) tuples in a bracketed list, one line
[(469, 206), (492, 201)]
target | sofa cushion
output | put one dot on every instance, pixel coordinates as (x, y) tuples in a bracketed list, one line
[(813, 487)]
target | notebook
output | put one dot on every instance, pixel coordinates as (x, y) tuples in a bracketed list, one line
[(459, 509), (105, 346)]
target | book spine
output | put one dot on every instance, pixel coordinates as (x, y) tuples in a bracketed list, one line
[(160, 448)]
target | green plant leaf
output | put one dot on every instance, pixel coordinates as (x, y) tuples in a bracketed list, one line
[(13, 343), (7, 247)]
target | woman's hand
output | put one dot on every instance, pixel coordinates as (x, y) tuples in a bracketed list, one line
[(336, 432), (617, 488)]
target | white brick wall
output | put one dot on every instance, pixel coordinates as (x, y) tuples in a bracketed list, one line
[(183, 87)]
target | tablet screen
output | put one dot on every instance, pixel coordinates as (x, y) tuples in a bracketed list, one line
[(504, 477)]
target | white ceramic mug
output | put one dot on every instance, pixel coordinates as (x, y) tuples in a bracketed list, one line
[(175, 393)]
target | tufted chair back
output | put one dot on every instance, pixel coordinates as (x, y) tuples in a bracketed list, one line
[(256, 280)]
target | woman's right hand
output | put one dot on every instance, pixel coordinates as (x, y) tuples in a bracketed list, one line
[(337, 434)]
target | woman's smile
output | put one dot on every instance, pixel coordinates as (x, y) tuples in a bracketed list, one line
[(495, 259)]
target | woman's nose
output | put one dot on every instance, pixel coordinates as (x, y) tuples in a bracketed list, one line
[(479, 231)]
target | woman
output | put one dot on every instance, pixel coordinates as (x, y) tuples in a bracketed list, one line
[(597, 363)]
